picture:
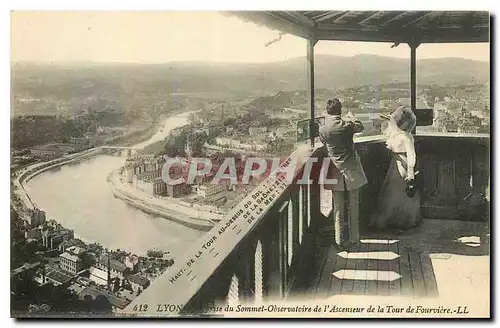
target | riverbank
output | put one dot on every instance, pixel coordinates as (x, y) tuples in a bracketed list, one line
[(90, 208), (144, 136), (28, 173), (157, 206)]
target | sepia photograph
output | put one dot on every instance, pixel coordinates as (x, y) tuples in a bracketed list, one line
[(250, 164)]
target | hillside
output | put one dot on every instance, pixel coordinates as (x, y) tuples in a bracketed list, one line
[(134, 82)]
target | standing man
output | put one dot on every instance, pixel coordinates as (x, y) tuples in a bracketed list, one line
[(337, 134)]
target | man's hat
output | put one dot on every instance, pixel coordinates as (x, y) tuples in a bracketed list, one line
[(334, 104)]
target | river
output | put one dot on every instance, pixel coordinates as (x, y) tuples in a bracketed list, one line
[(78, 196)]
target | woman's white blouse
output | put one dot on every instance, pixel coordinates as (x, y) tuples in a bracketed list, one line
[(402, 142)]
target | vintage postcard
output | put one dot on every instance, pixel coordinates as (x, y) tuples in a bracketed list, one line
[(312, 164)]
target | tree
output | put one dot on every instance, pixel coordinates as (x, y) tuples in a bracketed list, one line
[(197, 141)]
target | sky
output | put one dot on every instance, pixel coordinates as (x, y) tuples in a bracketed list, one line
[(159, 37)]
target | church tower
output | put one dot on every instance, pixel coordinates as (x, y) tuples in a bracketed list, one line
[(187, 149)]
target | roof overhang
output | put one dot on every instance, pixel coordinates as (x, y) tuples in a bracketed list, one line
[(378, 26)]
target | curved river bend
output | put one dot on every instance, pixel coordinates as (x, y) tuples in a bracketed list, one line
[(79, 197)]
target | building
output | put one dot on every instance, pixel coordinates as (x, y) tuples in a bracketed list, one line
[(114, 301), (296, 111), (100, 277), (144, 185), (128, 173), (368, 120), (254, 130), (51, 151), (146, 175), (201, 179), (131, 262), (386, 104), (283, 131), (72, 260), (34, 217), (70, 263), (55, 276), (26, 268), (211, 189), (479, 113), (138, 282), (116, 267), (159, 187), (407, 102), (237, 144), (176, 188), (65, 245), (52, 238), (35, 233), (464, 128), (79, 143), (372, 106)]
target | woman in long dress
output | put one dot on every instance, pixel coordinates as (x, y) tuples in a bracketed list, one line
[(399, 200)]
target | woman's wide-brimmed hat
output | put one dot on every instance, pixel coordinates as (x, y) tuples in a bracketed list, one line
[(404, 118)]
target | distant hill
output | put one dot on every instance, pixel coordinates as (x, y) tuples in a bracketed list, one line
[(123, 81)]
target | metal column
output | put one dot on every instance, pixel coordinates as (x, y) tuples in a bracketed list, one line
[(310, 84), (413, 74)]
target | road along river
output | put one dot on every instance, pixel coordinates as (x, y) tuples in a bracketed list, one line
[(78, 196)]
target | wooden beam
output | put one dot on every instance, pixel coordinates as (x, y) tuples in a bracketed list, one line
[(347, 27), (302, 19), (402, 14), (341, 16), (319, 14), (272, 21), (330, 15), (424, 18), (370, 33), (369, 17), (479, 36), (403, 35), (278, 16), (358, 35), (467, 22)]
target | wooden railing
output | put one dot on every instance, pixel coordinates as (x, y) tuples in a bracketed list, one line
[(455, 176), (266, 253)]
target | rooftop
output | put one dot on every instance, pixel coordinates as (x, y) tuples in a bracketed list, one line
[(139, 279), (76, 250), (69, 256), (98, 273), (24, 267), (57, 274), (114, 264), (114, 300), (378, 26)]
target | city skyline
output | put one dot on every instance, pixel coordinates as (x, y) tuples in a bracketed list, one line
[(137, 37)]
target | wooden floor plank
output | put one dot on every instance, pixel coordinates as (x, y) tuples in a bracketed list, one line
[(337, 282), (416, 274), (317, 264), (372, 265), (405, 270), (361, 265), (351, 263), (395, 285), (430, 282), (347, 284), (383, 272), (323, 289)]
